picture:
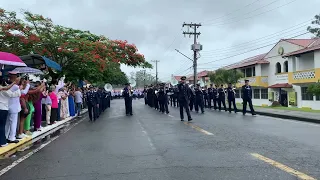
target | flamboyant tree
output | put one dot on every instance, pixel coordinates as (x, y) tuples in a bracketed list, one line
[(81, 54)]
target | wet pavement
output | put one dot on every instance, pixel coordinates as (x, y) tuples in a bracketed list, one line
[(151, 145)]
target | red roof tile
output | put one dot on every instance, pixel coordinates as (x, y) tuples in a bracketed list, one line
[(305, 50), (259, 59), (300, 42), (281, 85)]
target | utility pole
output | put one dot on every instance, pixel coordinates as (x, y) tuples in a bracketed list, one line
[(195, 47), (156, 61)]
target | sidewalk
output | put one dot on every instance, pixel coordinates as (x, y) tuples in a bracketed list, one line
[(286, 114), (25, 142)]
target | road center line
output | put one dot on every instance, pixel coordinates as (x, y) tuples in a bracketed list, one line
[(198, 128), (283, 167)]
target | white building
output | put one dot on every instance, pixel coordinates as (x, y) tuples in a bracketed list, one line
[(274, 77)]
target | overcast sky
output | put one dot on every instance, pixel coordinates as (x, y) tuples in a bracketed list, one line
[(156, 26)]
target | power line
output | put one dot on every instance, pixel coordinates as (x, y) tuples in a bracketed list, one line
[(248, 12), (247, 51), (289, 29), (232, 12), (252, 46), (253, 15)]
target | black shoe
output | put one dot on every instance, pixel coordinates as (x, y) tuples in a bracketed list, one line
[(15, 141), (253, 114), (131, 114), (182, 120), (202, 112), (189, 119)]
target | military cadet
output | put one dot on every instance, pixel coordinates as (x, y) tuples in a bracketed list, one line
[(150, 95), (222, 98), (127, 94), (192, 98), (205, 96), (155, 98), (170, 93), (231, 98), (198, 98), (184, 93), (92, 102), (145, 90), (215, 96), (247, 97), (210, 95), (109, 97), (163, 99)]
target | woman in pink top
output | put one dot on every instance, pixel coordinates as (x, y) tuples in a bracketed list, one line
[(54, 105)]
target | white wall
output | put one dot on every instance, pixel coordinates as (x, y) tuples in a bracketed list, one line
[(317, 59), (258, 70), (273, 57), (305, 62), (264, 69)]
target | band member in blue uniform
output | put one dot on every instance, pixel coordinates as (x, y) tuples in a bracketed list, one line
[(210, 96), (198, 99), (222, 98), (127, 94), (163, 99), (247, 97), (205, 96), (184, 93), (231, 98), (192, 98), (92, 102), (215, 97)]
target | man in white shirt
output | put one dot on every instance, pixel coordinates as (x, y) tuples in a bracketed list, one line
[(14, 109), (5, 95), (78, 99)]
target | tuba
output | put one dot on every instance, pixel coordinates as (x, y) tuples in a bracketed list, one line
[(108, 87)]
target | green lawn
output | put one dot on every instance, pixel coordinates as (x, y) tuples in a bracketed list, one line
[(286, 108)]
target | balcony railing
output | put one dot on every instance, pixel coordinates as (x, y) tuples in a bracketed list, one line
[(306, 76), (259, 81)]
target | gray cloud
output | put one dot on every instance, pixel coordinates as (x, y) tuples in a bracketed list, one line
[(153, 25)]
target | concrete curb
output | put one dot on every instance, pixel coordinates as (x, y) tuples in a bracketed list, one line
[(285, 116), (25, 142)]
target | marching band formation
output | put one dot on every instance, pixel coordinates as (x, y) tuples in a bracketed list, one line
[(187, 98)]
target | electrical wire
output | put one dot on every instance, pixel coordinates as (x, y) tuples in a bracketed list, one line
[(236, 21), (247, 51), (232, 12)]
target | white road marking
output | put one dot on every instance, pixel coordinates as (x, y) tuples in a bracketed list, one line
[(145, 132), (15, 163)]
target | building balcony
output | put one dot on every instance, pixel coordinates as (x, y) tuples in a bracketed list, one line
[(305, 76), (255, 81)]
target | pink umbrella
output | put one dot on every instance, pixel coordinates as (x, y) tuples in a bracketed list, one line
[(10, 59)]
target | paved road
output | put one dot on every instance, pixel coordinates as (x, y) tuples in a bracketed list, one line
[(151, 145)]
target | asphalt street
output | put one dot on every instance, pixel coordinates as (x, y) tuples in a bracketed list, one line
[(150, 145)]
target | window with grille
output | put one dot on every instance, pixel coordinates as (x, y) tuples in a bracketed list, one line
[(264, 93), (256, 93), (305, 95)]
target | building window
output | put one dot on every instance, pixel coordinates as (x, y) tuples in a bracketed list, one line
[(249, 72), (253, 71), (306, 96), (264, 93), (285, 66), (278, 67), (317, 98), (256, 93), (238, 91)]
